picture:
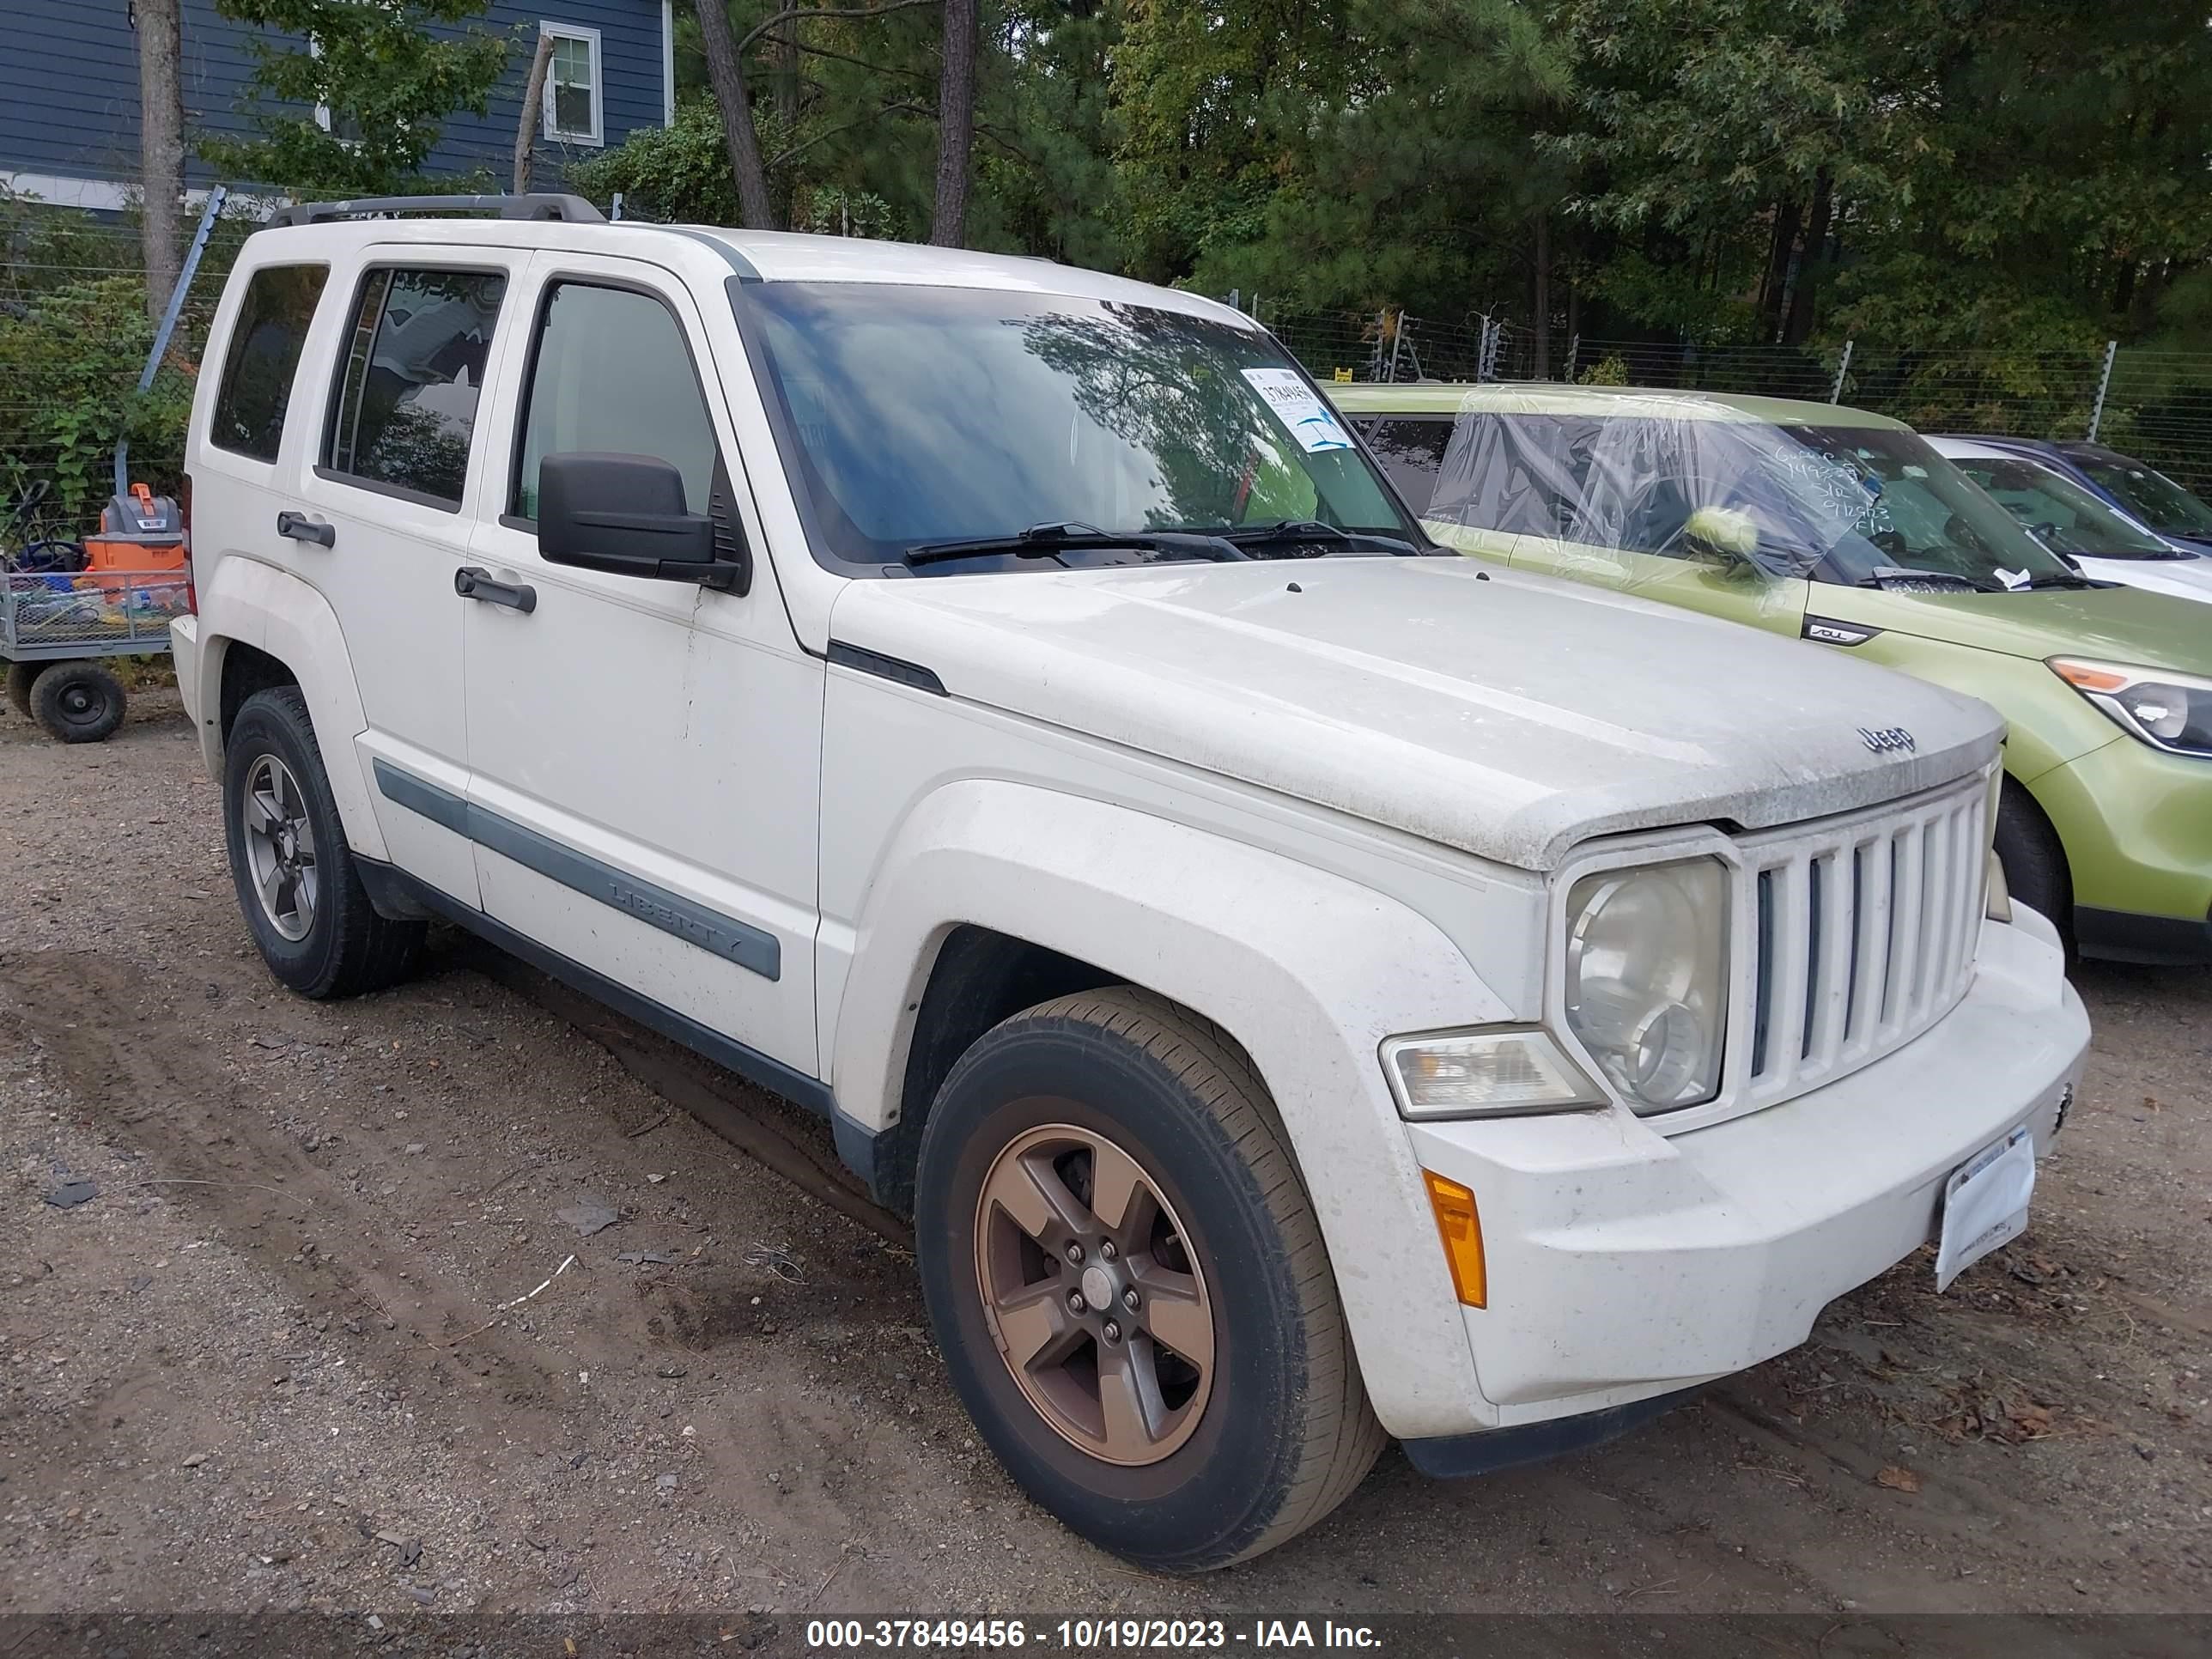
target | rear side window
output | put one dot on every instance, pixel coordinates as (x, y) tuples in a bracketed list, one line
[(406, 403), (1411, 448), (611, 372), (262, 354)]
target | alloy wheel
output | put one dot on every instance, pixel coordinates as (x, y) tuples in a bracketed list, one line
[(1099, 1306), (280, 848)]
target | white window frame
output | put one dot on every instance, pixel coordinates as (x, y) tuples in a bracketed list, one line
[(589, 37)]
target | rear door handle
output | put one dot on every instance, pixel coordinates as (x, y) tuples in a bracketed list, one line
[(302, 528), (474, 582)]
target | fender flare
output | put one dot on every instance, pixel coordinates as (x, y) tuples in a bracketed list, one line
[(258, 604), (1309, 970)]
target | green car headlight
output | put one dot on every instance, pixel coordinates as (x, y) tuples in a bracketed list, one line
[(1647, 978), (2168, 711)]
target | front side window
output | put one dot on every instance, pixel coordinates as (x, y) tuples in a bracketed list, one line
[(920, 418), (406, 403), (263, 355), (572, 85), (2155, 499), (611, 372), (2060, 513)]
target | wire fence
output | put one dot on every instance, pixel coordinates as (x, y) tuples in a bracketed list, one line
[(2152, 404)]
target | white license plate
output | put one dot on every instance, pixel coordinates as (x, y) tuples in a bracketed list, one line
[(1984, 1204)]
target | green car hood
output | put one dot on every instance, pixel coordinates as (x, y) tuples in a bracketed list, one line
[(2112, 624)]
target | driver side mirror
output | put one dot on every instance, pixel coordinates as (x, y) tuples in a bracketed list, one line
[(1725, 536), (625, 515)]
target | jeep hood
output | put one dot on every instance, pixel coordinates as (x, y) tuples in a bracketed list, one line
[(1509, 715)]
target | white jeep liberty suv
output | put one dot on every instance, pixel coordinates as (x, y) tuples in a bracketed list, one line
[(1305, 988)]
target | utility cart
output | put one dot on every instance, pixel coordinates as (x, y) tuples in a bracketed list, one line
[(65, 605)]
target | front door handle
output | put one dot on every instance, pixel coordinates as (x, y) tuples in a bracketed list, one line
[(474, 582), (302, 528)]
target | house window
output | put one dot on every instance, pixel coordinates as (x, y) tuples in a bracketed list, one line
[(571, 84)]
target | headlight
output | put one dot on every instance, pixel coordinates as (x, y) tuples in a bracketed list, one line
[(2172, 712), (1501, 1073), (1647, 978)]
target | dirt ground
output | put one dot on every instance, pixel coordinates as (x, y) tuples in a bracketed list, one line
[(265, 1367)]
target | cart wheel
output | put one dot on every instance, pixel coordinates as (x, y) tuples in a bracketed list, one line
[(77, 702), (20, 678)]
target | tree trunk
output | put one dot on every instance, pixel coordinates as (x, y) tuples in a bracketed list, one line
[(743, 141), (956, 125), (533, 100), (162, 145), (1805, 291), (1543, 297), (785, 36), (1787, 217)]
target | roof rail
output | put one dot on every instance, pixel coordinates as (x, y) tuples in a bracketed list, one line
[(567, 209)]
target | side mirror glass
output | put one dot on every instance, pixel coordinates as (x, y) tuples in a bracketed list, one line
[(625, 515)]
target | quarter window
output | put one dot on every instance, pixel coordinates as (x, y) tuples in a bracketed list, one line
[(571, 84), (261, 357), (611, 372), (406, 406), (1411, 449)]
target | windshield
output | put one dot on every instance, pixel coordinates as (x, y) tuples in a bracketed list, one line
[(2155, 499), (2061, 515), (1846, 504), (930, 416)]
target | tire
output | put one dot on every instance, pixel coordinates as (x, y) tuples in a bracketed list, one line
[(21, 676), (2036, 871), (326, 939), (1234, 1454), (77, 703)]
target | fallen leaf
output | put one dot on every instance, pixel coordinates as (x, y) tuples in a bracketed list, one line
[(1898, 1479)]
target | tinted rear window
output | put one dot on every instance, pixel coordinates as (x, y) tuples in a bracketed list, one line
[(264, 353)]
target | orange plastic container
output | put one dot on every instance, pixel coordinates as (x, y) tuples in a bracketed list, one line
[(140, 531)]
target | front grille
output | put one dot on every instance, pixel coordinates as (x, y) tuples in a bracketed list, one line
[(1863, 934)]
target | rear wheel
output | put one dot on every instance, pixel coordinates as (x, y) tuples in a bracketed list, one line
[(2034, 860), (77, 702), (1125, 1273), (297, 886), (21, 678)]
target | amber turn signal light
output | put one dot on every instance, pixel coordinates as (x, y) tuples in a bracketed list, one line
[(1461, 1230)]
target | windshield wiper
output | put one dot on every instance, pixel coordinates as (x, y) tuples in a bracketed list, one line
[(2070, 579), (1045, 541), (1306, 533), (1893, 576)]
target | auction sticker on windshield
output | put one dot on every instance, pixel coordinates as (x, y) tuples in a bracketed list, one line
[(1300, 409), (1985, 1204)]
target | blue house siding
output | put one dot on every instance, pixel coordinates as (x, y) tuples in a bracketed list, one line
[(68, 91), (630, 86)]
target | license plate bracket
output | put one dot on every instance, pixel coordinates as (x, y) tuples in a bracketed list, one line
[(1984, 1204)]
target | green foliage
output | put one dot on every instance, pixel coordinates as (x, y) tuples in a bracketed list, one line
[(389, 72), (1607, 371), (675, 175), (69, 357)]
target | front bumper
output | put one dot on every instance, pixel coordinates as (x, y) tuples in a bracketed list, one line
[(2136, 825), (1625, 1263)]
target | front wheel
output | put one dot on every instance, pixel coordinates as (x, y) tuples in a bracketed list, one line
[(21, 676), (1125, 1273), (2036, 871)]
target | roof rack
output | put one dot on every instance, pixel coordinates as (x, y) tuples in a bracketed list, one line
[(565, 209)]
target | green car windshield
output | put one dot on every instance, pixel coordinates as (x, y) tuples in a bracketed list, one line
[(920, 418), (2059, 512), (2155, 499), (1855, 505)]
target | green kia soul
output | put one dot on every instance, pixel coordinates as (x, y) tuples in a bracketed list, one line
[(1847, 529)]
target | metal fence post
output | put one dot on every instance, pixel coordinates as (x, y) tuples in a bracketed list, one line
[(1843, 368), (1574, 354), (2103, 385), (1397, 345), (208, 215)]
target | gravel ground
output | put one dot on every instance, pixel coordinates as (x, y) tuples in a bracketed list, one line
[(266, 1366)]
